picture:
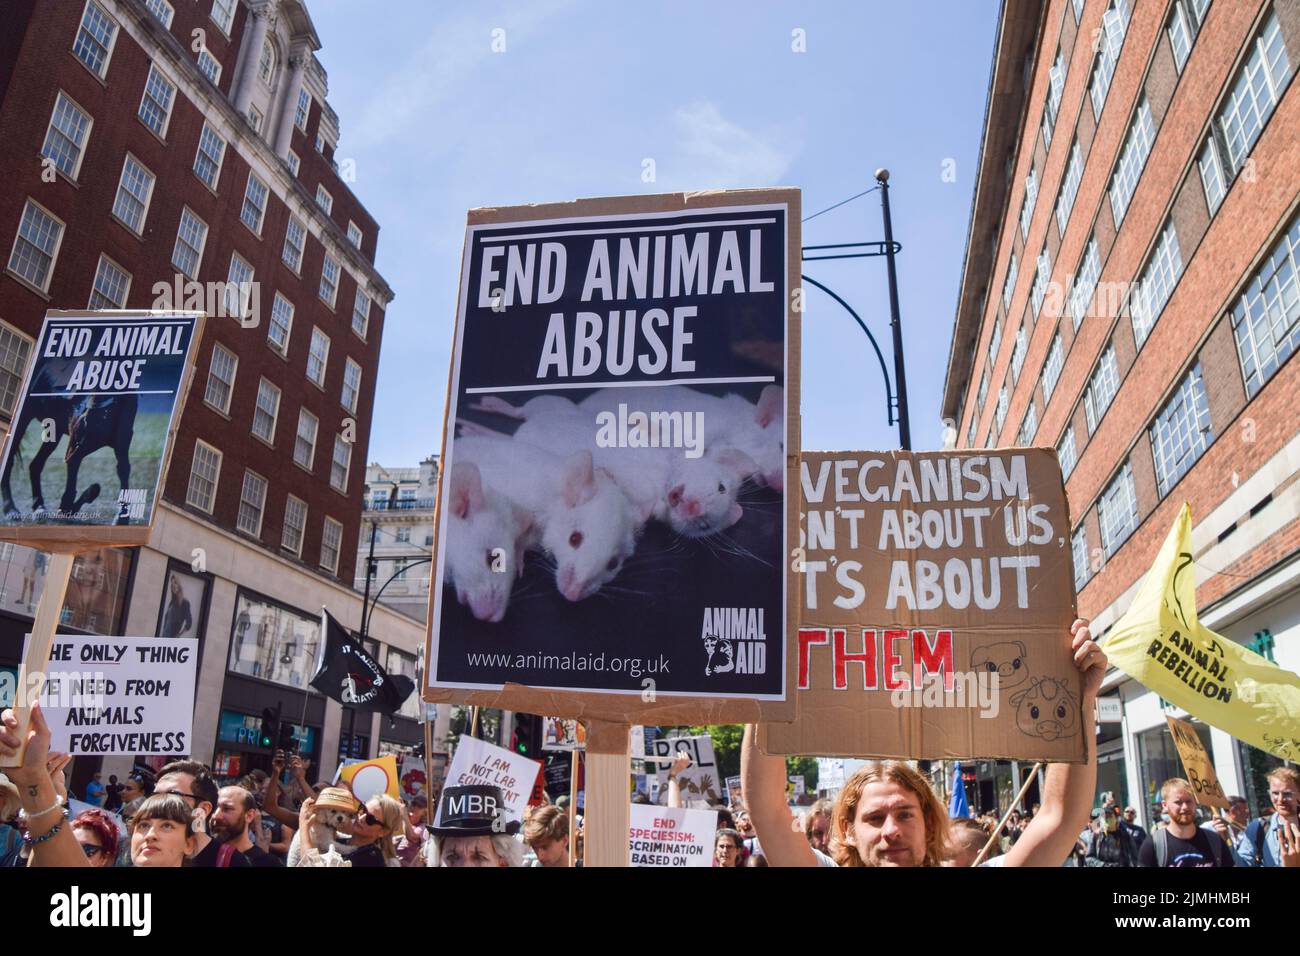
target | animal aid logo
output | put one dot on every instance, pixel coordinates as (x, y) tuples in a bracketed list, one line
[(735, 640)]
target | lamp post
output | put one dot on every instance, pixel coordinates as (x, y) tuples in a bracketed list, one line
[(895, 324)]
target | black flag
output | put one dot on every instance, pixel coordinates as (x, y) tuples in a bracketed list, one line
[(350, 675)]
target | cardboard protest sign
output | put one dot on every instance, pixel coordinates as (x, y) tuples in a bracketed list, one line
[(104, 390), (1161, 643), (735, 797), (1197, 764), (613, 505), (479, 762), (413, 776), (699, 783), (561, 734), (370, 778), (796, 786), (936, 604), (120, 695), (660, 837)]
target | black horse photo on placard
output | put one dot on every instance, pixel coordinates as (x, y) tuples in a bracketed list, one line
[(613, 510)]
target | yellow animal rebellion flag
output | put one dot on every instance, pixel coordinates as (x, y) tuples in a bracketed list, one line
[(1162, 644)]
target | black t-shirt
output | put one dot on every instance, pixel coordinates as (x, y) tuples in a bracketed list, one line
[(208, 856), (1198, 852), (259, 857), (368, 855)]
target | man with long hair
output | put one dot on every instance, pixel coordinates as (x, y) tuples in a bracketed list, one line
[(888, 815)]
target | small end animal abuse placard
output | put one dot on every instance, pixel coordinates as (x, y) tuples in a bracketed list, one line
[(935, 608)]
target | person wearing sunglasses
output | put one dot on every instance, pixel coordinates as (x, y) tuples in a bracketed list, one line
[(377, 822), (98, 835)]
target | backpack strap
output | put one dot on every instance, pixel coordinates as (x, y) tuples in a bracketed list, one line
[(1162, 847), (1256, 834)]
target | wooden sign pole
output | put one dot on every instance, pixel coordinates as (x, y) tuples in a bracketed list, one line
[(37, 657), (573, 809), (1007, 816), (608, 807)]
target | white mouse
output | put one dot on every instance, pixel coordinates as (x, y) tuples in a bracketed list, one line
[(579, 515), (486, 536)]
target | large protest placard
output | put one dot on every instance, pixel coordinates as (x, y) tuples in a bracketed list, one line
[(663, 837), (561, 734), (479, 762), (936, 603), (613, 503), (1197, 764), (120, 695), (104, 390), (700, 783)]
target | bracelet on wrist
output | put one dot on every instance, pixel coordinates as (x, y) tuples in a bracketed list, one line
[(31, 841), (58, 805)]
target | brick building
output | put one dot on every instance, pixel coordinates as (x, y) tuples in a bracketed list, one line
[(151, 143), (1130, 297)]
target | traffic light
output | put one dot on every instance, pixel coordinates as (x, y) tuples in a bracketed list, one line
[(527, 737), (270, 730)]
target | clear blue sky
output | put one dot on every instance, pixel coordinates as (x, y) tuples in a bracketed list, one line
[(438, 123)]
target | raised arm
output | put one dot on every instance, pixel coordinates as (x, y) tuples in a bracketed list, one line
[(271, 802), (39, 797), (762, 786), (679, 767), (1068, 788)]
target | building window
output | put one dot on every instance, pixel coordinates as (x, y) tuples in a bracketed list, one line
[(134, 191), (223, 14), (156, 104), (191, 237), (295, 239), (252, 502), (14, 350), (65, 139), (1069, 187), (1052, 366), (1114, 24), (1079, 557), (1055, 87), (340, 464), (1117, 511), (1132, 159), (1009, 284), (204, 472), (1101, 388), (161, 9), (295, 520), (1018, 352), (281, 323), (1181, 431), (1028, 203), (360, 313), (1067, 453), (970, 432), (208, 159), (1184, 23), (111, 285), (36, 247), (265, 411), (1028, 426), (221, 379), (95, 37), (1042, 276), (266, 64), (255, 118), (254, 209), (995, 343), (1000, 416), (317, 356), (354, 234), (209, 66), (1156, 284), (983, 392), (1085, 283), (330, 538), (239, 287), (324, 199), (304, 447), (293, 162), (1266, 318), (1078, 9), (1211, 166), (303, 110), (273, 642), (403, 535), (329, 280), (1250, 103), (351, 385)]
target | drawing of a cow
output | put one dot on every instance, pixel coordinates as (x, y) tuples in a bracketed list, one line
[(1046, 709)]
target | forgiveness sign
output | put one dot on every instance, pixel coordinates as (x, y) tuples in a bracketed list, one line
[(612, 502), (90, 437)]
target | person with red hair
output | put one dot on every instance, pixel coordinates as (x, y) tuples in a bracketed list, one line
[(98, 836)]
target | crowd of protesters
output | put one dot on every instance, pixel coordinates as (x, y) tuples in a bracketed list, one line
[(886, 815)]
